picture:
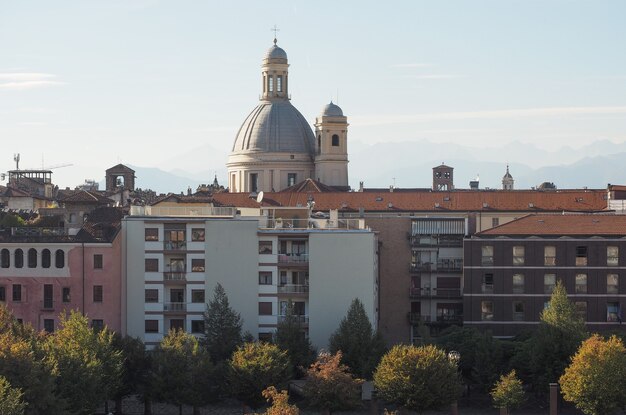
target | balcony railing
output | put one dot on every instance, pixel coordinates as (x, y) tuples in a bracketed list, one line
[(174, 276), (416, 318), (298, 318), (436, 241), (176, 307), (450, 319), (299, 258), (450, 265), (421, 267), (174, 245), (293, 289), (435, 292)]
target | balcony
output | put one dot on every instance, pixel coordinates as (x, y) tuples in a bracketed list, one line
[(432, 241), (293, 289), (449, 319), (174, 245), (450, 265), (416, 318), (435, 293), (297, 318), (176, 276), (420, 267), (293, 259), (174, 307)]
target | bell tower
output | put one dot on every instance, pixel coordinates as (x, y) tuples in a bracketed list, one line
[(443, 177), (274, 72), (331, 147)]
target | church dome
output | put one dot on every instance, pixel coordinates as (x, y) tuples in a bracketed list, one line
[(332, 110), (276, 52), (275, 127)]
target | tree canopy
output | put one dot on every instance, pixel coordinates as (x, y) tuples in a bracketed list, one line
[(222, 327), (290, 336), (508, 392)]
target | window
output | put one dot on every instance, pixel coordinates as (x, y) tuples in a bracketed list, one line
[(581, 283), (291, 179), (177, 324), (270, 83), (487, 286), (97, 324), (197, 326), (48, 325), (152, 234), (495, 222), (19, 258), (65, 295), (48, 296), (581, 256), (335, 140), (613, 312), (549, 256), (265, 247), (197, 296), (265, 308), (549, 282), (612, 284), (197, 235), (581, 309), (45, 258), (254, 182), (197, 265), (518, 255), (152, 326), (487, 255), (265, 337), (59, 258), (3, 293), (279, 83), (283, 277), (265, 278), (152, 295), (518, 311), (97, 261), (17, 292), (486, 310), (612, 256), (97, 293), (152, 264), (518, 283), (32, 258), (5, 258)]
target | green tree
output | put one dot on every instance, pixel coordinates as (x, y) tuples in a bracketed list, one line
[(290, 336), (417, 378), (138, 375), (360, 346), (280, 402), (11, 402), (508, 392), (222, 327), (596, 379), (11, 221), (330, 386), (254, 367), (561, 314), (183, 371)]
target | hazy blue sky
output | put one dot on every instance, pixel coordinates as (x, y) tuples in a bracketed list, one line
[(139, 81)]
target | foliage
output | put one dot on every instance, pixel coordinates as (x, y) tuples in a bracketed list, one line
[(418, 378), (561, 314), (508, 392), (330, 385), (11, 221), (138, 375), (11, 402), (290, 336), (360, 346), (596, 379), (280, 402), (222, 327), (254, 367), (183, 370)]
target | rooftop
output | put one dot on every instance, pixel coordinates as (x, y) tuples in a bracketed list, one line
[(562, 225)]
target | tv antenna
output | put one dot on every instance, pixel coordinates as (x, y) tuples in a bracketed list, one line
[(16, 159)]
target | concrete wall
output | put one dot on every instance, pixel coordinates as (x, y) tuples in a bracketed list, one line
[(133, 270)]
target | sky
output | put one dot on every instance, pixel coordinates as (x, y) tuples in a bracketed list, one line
[(141, 82)]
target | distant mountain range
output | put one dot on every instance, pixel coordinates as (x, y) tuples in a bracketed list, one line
[(411, 163)]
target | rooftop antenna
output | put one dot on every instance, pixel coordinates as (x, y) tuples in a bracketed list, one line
[(16, 159), (275, 29)]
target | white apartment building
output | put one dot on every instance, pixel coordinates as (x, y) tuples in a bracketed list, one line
[(174, 257)]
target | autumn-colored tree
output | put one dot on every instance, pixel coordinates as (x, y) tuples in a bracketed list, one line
[(280, 402), (330, 386), (254, 367), (417, 378), (508, 392), (595, 381), (11, 402)]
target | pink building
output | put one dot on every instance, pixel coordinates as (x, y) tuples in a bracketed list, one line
[(45, 272)]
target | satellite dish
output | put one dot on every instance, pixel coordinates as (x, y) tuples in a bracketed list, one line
[(259, 197)]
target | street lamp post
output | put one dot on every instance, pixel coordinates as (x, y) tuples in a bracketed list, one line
[(454, 357)]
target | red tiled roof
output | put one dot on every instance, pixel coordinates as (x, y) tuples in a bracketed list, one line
[(309, 185), (432, 201), (183, 199), (84, 196), (581, 225)]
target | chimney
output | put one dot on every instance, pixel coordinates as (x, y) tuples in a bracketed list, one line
[(360, 186)]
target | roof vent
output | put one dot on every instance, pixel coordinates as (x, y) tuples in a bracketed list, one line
[(531, 205), (379, 199), (436, 204), (485, 205), (446, 199), (389, 205), (344, 205)]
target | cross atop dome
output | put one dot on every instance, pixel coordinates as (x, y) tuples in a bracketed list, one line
[(275, 29)]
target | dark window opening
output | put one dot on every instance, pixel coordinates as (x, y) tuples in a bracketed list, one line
[(19, 258), (335, 140), (32, 258)]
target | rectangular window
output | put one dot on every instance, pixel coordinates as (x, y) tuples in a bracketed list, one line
[(97, 293), (549, 282), (152, 326), (518, 255), (3, 293), (495, 222), (197, 326), (270, 83), (291, 179), (197, 235), (97, 324), (152, 234), (152, 296), (549, 256), (581, 309), (197, 265), (581, 283), (518, 283), (265, 278), (197, 296), (265, 247), (265, 308), (612, 256), (265, 337), (65, 296), (581, 256), (254, 182), (279, 83), (613, 312), (177, 324), (283, 277), (17, 292), (518, 311), (487, 286), (612, 284), (152, 265), (97, 261), (487, 255), (486, 310), (48, 325), (48, 296)]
